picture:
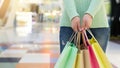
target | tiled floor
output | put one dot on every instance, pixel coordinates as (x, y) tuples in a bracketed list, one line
[(40, 49), (36, 50), (40, 55)]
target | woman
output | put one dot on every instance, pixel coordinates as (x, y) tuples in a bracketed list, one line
[(81, 15)]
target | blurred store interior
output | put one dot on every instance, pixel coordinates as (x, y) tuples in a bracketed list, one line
[(29, 33)]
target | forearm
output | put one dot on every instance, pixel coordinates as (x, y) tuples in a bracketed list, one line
[(94, 7), (70, 8)]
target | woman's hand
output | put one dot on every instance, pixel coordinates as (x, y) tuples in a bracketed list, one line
[(75, 24), (87, 21)]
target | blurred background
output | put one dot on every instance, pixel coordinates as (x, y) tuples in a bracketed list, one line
[(29, 33)]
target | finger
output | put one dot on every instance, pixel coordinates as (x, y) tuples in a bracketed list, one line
[(79, 27), (83, 25), (87, 25), (74, 27)]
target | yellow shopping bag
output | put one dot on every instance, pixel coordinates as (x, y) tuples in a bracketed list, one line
[(82, 59), (99, 53), (79, 63)]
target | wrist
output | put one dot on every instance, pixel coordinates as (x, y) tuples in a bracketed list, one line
[(89, 15), (75, 17)]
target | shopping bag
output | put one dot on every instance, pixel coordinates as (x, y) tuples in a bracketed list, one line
[(79, 63), (83, 57), (99, 53), (72, 56), (93, 58), (67, 57), (86, 59), (82, 60)]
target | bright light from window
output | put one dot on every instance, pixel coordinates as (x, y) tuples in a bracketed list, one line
[(1, 2)]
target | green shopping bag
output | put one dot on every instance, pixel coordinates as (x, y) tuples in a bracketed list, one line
[(67, 57)]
